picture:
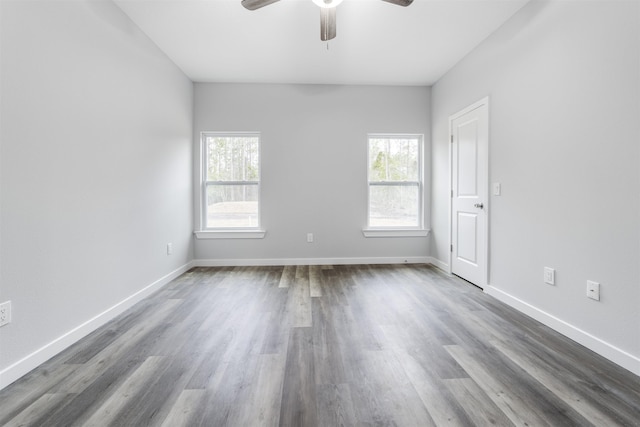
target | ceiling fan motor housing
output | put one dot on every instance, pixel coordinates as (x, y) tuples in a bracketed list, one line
[(327, 13)]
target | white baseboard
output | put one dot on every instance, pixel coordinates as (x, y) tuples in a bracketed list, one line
[(38, 357), (604, 349), (440, 264), (35, 359), (309, 261)]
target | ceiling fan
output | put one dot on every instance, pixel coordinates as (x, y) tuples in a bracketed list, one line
[(327, 13)]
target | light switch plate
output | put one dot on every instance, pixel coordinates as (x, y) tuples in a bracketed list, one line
[(497, 188)]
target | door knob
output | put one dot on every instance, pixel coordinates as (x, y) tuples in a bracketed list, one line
[(479, 205)]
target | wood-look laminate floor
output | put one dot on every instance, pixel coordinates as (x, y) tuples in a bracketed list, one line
[(323, 346)]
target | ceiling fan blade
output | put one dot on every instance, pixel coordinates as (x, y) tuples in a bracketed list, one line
[(404, 3), (256, 4), (327, 23)]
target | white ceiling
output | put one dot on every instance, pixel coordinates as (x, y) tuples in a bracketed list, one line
[(376, 43)]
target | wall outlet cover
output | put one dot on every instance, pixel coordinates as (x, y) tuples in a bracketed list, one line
[(549, 276), (5, 313), (593, 290)]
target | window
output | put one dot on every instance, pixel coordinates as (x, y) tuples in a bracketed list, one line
[(395, 182), (231, 181)]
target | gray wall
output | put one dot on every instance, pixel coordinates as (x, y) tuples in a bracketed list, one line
[(314, 165), (564, 85), (96, 170)]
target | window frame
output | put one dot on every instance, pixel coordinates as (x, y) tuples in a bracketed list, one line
[(247, 232), (397, 231)]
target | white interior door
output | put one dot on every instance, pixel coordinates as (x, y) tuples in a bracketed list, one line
[(469, 184)]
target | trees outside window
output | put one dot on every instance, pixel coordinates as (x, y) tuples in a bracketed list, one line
[(231, 187), (395, 181)]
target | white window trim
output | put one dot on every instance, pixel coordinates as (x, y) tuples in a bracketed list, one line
[(204, 232), (418, 231)]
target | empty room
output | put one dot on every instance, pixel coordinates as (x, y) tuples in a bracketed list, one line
[(319, 213)]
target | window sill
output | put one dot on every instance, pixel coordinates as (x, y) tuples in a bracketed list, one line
[(231, 234), (381, 232)]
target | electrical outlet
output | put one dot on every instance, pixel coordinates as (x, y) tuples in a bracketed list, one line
[(593, 290), (5, 313), (549, 276), (309, 237), (169, 248)]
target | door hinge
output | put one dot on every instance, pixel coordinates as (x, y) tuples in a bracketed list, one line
[(451, 248), (452, 194), (452, 139)]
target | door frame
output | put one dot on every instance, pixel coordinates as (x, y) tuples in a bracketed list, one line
[(485, 266)]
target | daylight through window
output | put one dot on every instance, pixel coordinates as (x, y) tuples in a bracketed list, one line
[(395, 181), (231, 180)]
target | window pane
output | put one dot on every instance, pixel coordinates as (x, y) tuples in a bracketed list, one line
[(394, 206), (394, 159), (232, 206), (232, 158)]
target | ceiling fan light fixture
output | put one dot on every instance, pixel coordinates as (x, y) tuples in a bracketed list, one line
[(327, 4), (327, 13)]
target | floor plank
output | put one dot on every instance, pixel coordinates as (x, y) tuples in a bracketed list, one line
[(138, 380), (185, 408), (341, 345), (524, 407), (476, 403), (30, 415), (298, 406), (560, 384), (335, 407)]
